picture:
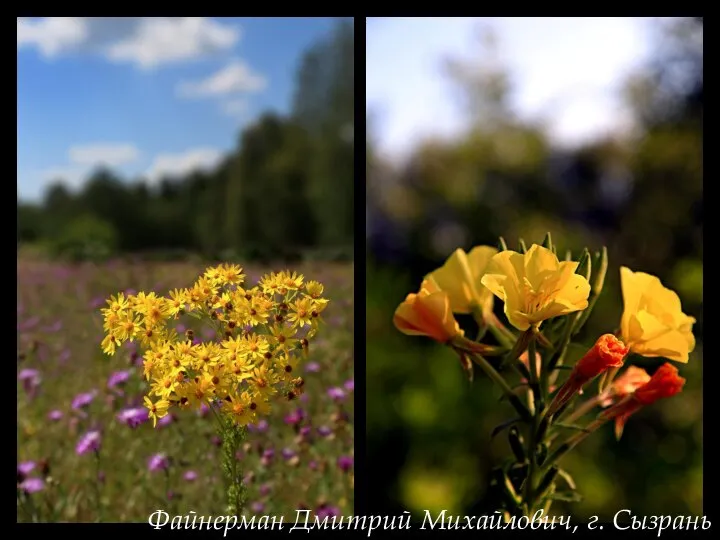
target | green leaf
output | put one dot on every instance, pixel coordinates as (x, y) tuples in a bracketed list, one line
[(547, 241), (568, 479), (585, 265), (571, 426), (547, 480), (517, 444), (502, 427), (566, 496)]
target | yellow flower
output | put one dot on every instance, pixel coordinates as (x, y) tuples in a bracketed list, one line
[(427, 313), (535, 286), (460, 278), (653, 323), (156, 410)]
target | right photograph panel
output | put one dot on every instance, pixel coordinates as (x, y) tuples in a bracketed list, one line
[(534, 269)]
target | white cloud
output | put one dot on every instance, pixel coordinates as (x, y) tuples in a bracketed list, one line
[(162, 40), (235, 107), (51, 35), (146, 42), (171, 165), (236, 77), (103, 154)]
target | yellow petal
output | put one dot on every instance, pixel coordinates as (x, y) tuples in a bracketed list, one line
[(653, 323), (574, 294), (539, 263), (455, 278), (506, 264)]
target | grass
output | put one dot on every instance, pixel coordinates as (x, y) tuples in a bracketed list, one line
[(290, 464)]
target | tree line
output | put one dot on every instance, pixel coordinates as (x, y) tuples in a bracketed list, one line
[(285, 191)]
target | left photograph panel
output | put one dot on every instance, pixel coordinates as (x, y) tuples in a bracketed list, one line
[(185, 270)]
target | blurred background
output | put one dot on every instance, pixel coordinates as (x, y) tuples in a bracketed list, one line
[(149, 149), (590, 128), (228, 137)]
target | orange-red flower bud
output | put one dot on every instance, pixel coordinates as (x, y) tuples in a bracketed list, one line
[(664, 383), (607, 352)]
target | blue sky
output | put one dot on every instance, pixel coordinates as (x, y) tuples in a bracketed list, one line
[(146, 96), (567, 74)]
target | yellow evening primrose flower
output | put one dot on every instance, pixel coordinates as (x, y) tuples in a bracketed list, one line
[(427, 313), (460, 277), (535, 286), (653, 323)]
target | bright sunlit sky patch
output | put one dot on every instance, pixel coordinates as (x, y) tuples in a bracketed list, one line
[(566, 71), (146, 96)]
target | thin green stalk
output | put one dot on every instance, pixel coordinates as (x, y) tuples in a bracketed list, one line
[(512, 397), (98, 493), (529, 494), (571, 443)]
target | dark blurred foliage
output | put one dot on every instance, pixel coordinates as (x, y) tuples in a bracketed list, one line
[(429, 430), (286, 190)]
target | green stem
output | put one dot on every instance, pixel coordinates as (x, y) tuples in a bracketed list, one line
[(504, 386), (529, 491), (98, 492), (571, 443)]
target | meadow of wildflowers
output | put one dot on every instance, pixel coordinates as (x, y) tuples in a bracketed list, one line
[(87, 448)]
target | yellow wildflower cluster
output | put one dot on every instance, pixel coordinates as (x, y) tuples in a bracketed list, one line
[(261, 332), (536, 286)]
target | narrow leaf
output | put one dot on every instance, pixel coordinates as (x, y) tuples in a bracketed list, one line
[(502, 427)]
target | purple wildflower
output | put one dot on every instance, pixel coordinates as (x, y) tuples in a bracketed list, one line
[(295, 417), (158, 462), (55, 327), (204, 410), (26, 467), (133, 417), (30, 380), (265, 490), (324, 431), (257, 507), (28, 324), (267, 457), (166, 420), (336, 393), (55, 415), (324, 511), (83, 400), (181, 328), (32, 485), (313, 465), (118, 379), (312, 367), (190, 476), (288, 453), (90, 442), (305, 431), (350, 385), (345, 463)]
